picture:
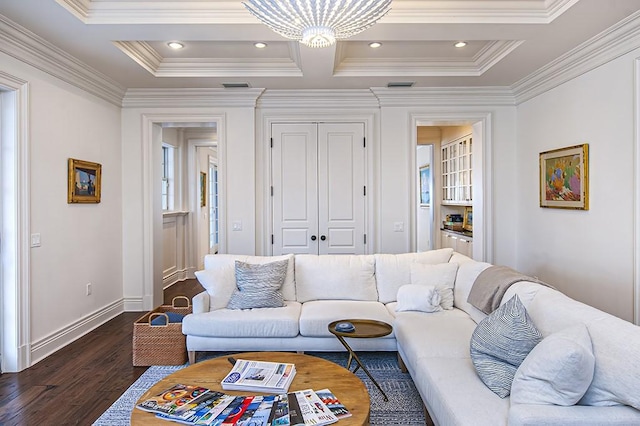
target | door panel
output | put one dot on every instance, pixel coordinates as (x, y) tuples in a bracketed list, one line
[(318, 177), (295, 204), (341, 182)]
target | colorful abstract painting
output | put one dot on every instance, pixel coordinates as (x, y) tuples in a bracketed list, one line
[(564, 178)]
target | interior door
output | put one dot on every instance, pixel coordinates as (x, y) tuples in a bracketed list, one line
[(341, 188), (294, 188), (318, 188)]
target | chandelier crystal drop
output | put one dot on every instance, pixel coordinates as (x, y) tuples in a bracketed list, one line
[(318, 23)]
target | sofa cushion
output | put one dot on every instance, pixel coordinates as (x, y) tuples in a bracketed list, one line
[(220, 283), (441, 275), (422, 298), (258, 323), (467, 273), (440, 334), (317, 315), (616, 380), (557, 371), (215, 261), (455, 396), (394, 270), (500, 343), (335, 277), (258, 286)]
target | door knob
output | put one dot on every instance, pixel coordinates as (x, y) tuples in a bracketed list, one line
[(313, 238), (322, 237)]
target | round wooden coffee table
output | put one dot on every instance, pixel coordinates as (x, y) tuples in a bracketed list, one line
[(311, 373)]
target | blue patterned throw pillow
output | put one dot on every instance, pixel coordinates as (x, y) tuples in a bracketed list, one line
[(259, 285), (500, 343)]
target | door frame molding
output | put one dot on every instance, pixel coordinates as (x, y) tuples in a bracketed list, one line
[(152, 215), (264, 222), (15, 284), (483, 200), (194, 194)]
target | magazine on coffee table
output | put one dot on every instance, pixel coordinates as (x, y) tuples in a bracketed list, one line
[(173, 398), (314, 412), (259, 376)]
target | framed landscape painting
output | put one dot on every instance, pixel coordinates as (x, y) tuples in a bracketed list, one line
[(564, 178), (84, 181)]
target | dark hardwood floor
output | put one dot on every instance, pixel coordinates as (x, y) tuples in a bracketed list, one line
[(75, 385)]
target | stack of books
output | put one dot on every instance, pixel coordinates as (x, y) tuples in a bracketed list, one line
[(259, 376), (194, 405)]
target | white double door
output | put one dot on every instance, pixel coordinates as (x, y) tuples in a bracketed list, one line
[(318, 173)]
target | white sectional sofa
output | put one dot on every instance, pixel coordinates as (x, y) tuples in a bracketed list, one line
[(433, 347)]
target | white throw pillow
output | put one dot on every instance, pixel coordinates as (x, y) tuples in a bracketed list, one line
[(442, 276), (220, 284), (557, 371), (418, 298)]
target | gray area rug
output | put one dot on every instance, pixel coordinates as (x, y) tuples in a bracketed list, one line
[(403, 408)]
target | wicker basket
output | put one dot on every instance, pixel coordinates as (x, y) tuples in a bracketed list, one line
[(160, 344)]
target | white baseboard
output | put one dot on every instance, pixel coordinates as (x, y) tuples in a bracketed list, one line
[(178, 276), (55, 341), (133, 304)]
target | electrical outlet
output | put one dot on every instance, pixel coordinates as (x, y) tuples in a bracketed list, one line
[(88, 289)]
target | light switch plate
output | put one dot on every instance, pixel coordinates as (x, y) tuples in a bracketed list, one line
[(236, 225), (35, 240)]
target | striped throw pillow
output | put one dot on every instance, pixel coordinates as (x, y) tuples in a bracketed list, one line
[(500, 343), (258, 286)]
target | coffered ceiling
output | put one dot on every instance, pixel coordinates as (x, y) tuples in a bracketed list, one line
[(507, 40)]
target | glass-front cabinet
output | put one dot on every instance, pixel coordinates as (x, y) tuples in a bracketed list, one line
[(456, 171)]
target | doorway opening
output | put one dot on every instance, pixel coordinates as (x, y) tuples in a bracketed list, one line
[(214, 218), (469, 135), (174, 235)]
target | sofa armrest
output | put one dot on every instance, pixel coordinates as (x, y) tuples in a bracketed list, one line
[(575, 415), (200, 303)]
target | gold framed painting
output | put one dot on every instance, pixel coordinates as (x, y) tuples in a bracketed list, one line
[(467, 219), (84, 181), (203, 189), (564, 178)]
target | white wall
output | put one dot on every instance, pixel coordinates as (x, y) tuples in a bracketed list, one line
[(395, 169), (81, 243), (585, 254)]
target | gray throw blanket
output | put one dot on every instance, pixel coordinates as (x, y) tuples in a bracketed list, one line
[(491, 285)]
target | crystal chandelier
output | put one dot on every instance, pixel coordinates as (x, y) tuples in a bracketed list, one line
[(318, 23)]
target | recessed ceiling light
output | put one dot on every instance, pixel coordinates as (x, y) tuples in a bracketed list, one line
[(375, 44), (175, 45), (260, 45), (460, 44)]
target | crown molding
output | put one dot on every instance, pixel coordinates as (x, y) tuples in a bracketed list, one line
[(191, 98), (230, 12), (22, 44), (443, 96), (477, 12), (159, 12), (318, 98), (610, 44), (151, 60), (481, 62)]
